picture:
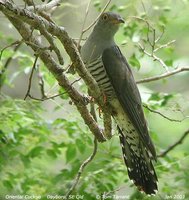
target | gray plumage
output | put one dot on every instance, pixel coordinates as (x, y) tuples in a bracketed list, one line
[(111, 70)]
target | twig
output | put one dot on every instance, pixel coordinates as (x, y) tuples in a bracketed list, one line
[(107, 125), (94, 22), (143, 20), (41, 85), (45, 97), (164, 45), (20, 18), (30, 78), (160, 61), (159, 38), (153, 56), (143, 6), (44, 10), (92, 106), (53, 46), (29, 3), (152, 43), (162, 76), (85, 18), (159, 113), (10, 45), (43, 31), (106, 195), (34, 20), (81, 169), (174, 145), (84, 21), (3, 70), (75, 81), (92, 110), (45, 7)]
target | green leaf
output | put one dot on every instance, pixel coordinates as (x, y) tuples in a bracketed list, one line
[(122, 8), (167, 8), (134, 62), (80, 145), (59, 177), (130, 29), (155, 97), (7, 53), (163, 20), (7, 184), (113, 7), (166, 98), (169, 62), (63, 93), (71, 152), (51, 153), (35, 152), (96, 3), (169, 50), (3, 138), (25, 160)]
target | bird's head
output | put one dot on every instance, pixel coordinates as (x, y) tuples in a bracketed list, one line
[(108, 23)]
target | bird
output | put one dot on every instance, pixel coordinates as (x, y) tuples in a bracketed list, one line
[(110, 69)]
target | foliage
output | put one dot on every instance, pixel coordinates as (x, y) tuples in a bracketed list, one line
[(40, 153), (43, 157)]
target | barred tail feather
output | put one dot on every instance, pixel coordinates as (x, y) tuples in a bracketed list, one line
[(140, 168)]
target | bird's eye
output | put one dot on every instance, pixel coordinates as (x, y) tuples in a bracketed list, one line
[(105, 17)]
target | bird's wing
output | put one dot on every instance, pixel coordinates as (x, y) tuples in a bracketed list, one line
[(125, 87)]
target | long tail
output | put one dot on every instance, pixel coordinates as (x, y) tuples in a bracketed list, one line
[(140, 168)]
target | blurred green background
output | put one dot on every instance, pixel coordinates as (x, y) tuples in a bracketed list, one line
[(43, 143)]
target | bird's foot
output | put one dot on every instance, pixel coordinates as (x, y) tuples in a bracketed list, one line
[(100, 112), (104, 98)]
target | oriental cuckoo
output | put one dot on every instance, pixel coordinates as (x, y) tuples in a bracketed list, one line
[(110, 69)]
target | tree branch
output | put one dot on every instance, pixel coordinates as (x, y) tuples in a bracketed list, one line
[(45, 7), (164, 45), (155, 58), (159, 113), (152, 42), (10, 45), (162, 76), (107, 125), (45, 97), (174, 145), (37, 22), (4, 68), (41, 85), (50, 63), (52, 44), (31, 75), (81, 169), (94, 22), (83, 25)]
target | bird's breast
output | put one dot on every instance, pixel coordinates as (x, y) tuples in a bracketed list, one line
[(98, 72)]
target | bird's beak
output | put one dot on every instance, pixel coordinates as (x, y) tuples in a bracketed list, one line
[(118, 20), (121, 20)]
